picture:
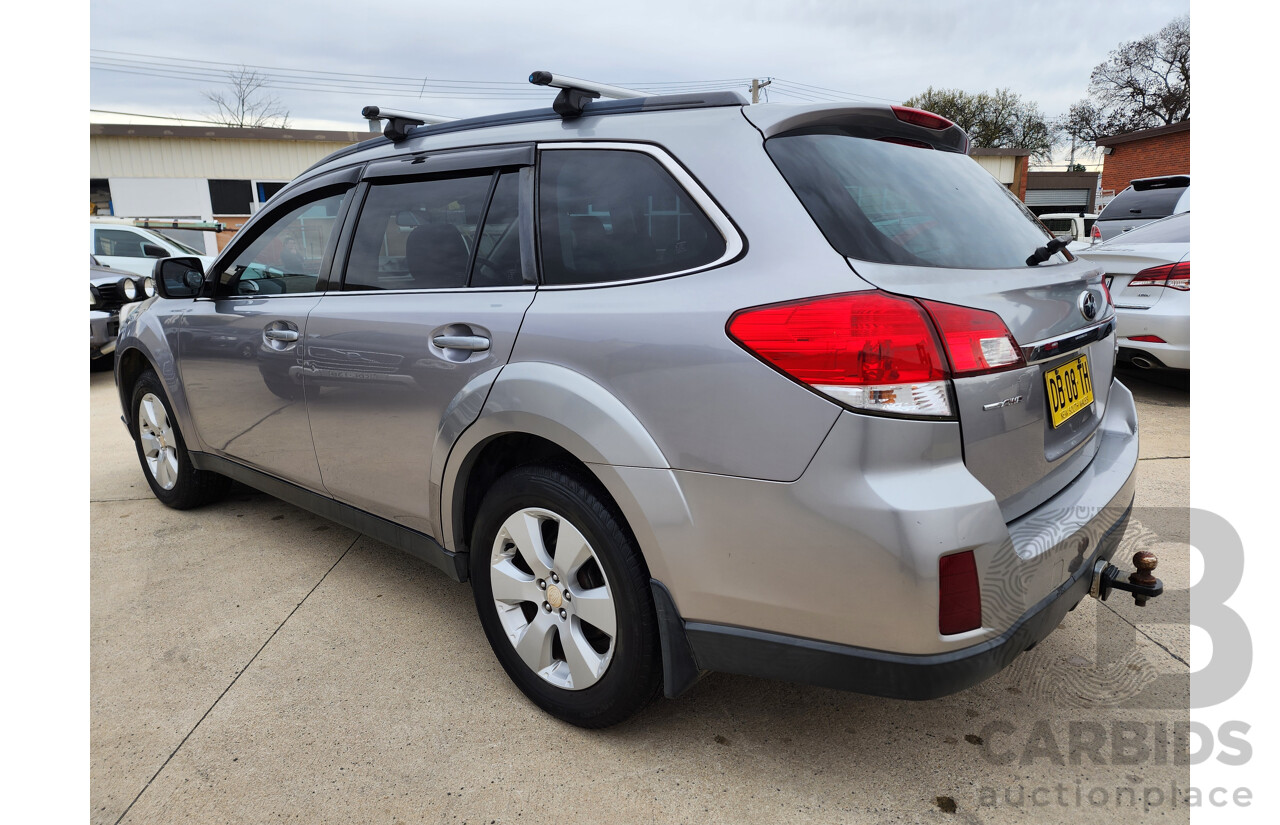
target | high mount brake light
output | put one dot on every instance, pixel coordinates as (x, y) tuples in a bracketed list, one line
[(919, 117), (875, 351), (1171, 276)]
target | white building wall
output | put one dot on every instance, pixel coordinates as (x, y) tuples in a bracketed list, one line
[(160, 197), (1002, 167), (174, 157)]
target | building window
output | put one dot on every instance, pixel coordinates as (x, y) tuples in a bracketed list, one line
[(231, 197), (99, 197)]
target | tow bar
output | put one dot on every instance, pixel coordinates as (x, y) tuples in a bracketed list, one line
[(1143, 585)]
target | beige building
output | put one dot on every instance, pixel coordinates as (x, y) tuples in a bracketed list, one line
[(200, 172)]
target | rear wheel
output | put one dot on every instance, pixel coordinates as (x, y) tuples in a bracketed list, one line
[(564, 599), (163, 452)]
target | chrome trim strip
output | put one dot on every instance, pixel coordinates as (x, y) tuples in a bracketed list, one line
[(732, 240), (1039, 351)]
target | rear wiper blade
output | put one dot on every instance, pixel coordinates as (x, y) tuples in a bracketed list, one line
[(1045, 252)]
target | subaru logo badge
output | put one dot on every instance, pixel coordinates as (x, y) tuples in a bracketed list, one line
[(1088, 305)]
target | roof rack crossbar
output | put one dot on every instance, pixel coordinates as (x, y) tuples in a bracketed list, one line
[(575, 92), (399, 124)]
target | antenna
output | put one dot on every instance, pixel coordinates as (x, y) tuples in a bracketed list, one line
[(575, 93), (399, 124)]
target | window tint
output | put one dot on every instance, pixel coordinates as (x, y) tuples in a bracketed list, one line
[(1058, 226), (882, 202), (119, 242), (230, 197), (1132, 204), (498, 256), (417, 234), (287, 256), (610, 215)]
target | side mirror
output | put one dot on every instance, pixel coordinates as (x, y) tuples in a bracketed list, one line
[(179, 277), (151, 250)]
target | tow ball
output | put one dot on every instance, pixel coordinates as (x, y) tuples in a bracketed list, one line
[(1143, 585)]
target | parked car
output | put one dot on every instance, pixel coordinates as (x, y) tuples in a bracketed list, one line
[(133, 248), (109, 290), (1149, 273), (1077, 227), (1143, 201), (679, 384)]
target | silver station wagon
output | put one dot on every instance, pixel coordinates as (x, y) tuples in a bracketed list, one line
[(679, 384)]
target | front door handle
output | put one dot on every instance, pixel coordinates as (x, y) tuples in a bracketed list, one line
[(287, 336), (473, 343)]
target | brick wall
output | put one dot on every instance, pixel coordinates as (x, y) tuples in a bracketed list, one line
[(1147, 158)]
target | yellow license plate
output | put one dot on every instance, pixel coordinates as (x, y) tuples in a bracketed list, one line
[(1070, 390)]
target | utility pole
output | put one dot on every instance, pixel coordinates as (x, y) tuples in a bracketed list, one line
[(756, 86)]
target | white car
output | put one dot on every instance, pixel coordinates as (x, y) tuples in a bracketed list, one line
[(134, 249), (1075, 226), (1148, 271)]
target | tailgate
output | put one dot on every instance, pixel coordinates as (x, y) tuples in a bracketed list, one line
[(1012, 443)]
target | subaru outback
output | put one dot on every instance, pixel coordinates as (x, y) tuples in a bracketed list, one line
[(677, 383)]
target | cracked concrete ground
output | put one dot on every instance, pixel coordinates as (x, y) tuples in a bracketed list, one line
[(251, 662)]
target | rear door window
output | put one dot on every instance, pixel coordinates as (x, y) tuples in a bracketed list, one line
[(614, 215), (426, 234), (887, 203)]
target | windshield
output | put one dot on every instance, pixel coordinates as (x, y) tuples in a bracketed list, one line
[(175, 242), (887, 203), (1132, 204)]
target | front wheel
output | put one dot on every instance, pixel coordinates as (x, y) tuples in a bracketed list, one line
[(563, 595), (163, 452)]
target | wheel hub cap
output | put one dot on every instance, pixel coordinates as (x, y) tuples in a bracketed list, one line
[(552, 598), (156, 439)]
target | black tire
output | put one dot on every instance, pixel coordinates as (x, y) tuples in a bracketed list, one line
[(632, 677), (190, 487)]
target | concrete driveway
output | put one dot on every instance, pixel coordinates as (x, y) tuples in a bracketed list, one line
[(254, 663)]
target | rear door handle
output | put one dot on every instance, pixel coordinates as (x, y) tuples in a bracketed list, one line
[(286, 335), (474, 343)]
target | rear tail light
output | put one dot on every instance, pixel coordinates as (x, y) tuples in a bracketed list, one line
[(919, 117), (874, 351), (1171, 276), (977, 341), (959, 599), (1096, 234)]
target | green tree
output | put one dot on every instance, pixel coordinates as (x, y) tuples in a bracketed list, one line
[(1142, 84), (994, 120)]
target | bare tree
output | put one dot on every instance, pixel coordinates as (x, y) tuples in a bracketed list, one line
[(994, 120), (240, 103), (1143, 83)]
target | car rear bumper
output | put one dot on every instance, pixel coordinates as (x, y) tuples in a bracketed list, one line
[(880, 673), (833, 580), (103, 329), (1169, 319)]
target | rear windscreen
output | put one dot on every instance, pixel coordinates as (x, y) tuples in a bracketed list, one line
[(1176, 229), (1152, 203), (886, 203)]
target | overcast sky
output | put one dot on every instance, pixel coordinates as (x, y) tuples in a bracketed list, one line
[(143, 53)]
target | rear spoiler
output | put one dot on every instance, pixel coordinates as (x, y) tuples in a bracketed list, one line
[(1165, 182)]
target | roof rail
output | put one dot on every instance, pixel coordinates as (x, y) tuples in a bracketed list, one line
[(575, 92), (399, 124)]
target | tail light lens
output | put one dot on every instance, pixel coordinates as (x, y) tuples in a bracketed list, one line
[(977, 341), (959, 599), (1171, 276), (1096, 234), (874, 351)]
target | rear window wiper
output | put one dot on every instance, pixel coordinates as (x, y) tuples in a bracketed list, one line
[(1045, 252)]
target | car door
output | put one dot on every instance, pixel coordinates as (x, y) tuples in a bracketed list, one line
[(438, 274), (240, 346)]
